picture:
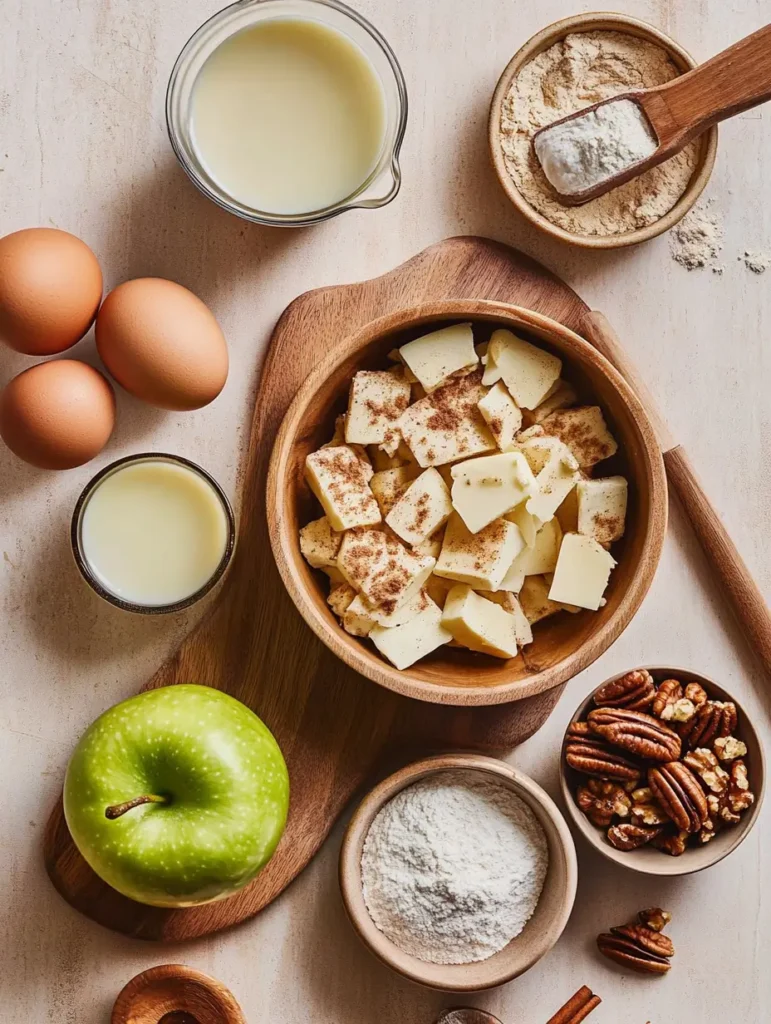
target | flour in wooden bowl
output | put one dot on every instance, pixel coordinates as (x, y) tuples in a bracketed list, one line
[(453, 867)]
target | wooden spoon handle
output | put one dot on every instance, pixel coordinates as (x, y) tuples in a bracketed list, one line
[(727, 565), (733, 81)]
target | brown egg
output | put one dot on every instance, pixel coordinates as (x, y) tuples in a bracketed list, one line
[(57, 415), (50, 287), (161, 343)]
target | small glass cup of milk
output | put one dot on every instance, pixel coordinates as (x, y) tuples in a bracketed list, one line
[(153, 533), (289, 112)]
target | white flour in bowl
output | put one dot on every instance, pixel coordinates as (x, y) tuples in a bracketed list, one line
[(453, 867)]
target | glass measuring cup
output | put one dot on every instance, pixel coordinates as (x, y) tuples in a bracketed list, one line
[(383, 182)]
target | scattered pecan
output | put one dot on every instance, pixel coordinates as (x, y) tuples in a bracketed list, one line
[(728, 748), (578, 731), (678, 791), (602, 801), (654, 918), (593, 756), (631, 837), (704, 764), (674, 842), (714, 718), (668, 692), (696, 694), (646, 810), (740, 798), (640, 734), (635, 690), (638, 947)]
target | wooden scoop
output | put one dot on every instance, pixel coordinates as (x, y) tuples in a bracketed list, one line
[(735, 80), (175, 994)]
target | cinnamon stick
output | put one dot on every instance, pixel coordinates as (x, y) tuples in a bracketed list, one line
[(577, 1008)]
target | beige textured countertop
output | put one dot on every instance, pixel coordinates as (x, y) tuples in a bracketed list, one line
[(83, 146)]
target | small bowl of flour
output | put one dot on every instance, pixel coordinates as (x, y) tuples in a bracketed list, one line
[(570, 65), (459, 872)]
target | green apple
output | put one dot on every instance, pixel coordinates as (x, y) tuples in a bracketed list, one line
[(178, 796)]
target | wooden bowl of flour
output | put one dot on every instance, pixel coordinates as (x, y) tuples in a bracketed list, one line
[(539, 934), (555, 33)]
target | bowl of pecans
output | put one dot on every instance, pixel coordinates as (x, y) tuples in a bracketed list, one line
[(662, 771)]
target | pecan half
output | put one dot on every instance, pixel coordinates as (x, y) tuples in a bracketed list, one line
[(668, 692), (640, 734), (593, 756), (649, 939), (578, 731), (696, 694), (714, 718), (674, 842), (635, 690), (631, 837), (740, 798), (704, 764), (628, 953), (601, 802), (654, 918), (678, 791)]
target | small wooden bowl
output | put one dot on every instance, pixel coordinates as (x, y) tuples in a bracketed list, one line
[(565, 644), (648, 860), (542, 41), (539, 934), (174, 994)]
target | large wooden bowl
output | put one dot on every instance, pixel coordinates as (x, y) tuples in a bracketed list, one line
[(565, 644), (539, 934)]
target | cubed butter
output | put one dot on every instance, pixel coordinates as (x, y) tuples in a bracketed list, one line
[(340, 597), (446, 425), (478, 559), (513, 580), (388, 485), (437, 588), (582, 572), (602, 508), (376, 402), (339, 480), (358, 617), (534, 598), (492, 373), (319, 543), (528, 524), (381, 460), (553, 484), (436, 356), (542, 557), (510, 603), (431, 545), (478, 624), (584, 431), (561, 394), (334, 574), (421, 509), (538, 447), (502, 415), (378, 565), (404, 645), (527, 371), (485, 489)]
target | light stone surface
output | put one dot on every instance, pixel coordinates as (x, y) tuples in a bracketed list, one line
[(83, 147)]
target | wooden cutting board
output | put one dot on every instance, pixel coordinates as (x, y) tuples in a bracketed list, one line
[(336, 729)]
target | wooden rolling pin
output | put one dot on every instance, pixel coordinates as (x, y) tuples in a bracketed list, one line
[(727, 565)]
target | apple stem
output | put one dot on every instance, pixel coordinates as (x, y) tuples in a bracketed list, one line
[(118, 809)]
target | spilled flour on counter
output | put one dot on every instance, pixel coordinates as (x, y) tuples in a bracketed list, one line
[(757, 262), (698, 239), (453, 867)]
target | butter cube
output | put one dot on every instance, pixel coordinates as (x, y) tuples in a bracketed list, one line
[(528, 524), (338, 438), (358, 618), (479, 559), (502, 415), (492, 373), (437, 588), (526, 370), (584, 431), (388, 485), (535, 601), (404, 645), (377, 401), (381, 460), (377, 564), (510, 603), (422, 509), (542, 557), (582, 572), (513, 580), (334, 574), (561, 394), (446, 425), (478, 624), (554, 482), (602, 508), (319, 543), (340, 598), (485, 489), (339, 480), (538, 447), (436, 356), (431, 545)]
